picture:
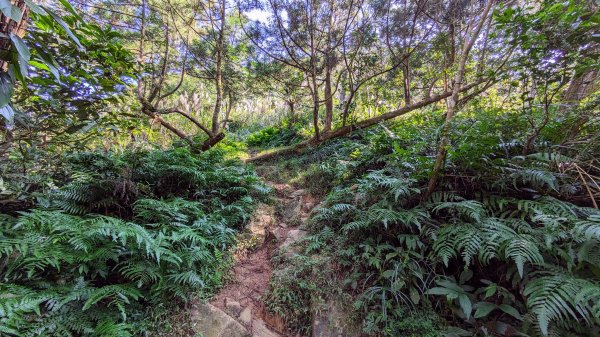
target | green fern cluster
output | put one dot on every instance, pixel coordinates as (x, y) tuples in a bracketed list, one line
[(127, 232), (548, 247), (274, 136), (543, 249), (111, 184)]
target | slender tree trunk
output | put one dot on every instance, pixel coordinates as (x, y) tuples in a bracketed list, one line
[(452, 101), (582, 84), (292, 106), (156, 118), (449, 56), (228, 110), (219, 69), (315, 111), (342, 97), (328, 97), (406, 82), (347, 101)]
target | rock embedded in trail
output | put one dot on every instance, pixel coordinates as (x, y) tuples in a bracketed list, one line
[(260, 329), (297, 193), (242, 298), (246, 316), (331, 319), (210, 321), (308, 206), (233, 307), (293, 236), (280, 234)]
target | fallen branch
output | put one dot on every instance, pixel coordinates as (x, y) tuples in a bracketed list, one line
[(345, 130)]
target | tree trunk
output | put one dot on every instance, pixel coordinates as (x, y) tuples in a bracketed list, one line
[(315, 99), (219, 70), (581, 86), (156, 118), (452, 101), (406, 75), (315, 114), (228, 110), (347, 101), (212, 141), (328, 98), (9, 26), (292, 105)]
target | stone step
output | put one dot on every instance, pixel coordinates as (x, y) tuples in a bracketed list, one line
[(260, 329), (210, 321), (244, 316)]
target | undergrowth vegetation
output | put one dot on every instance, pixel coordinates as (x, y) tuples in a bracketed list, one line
[(448, 152), (120, 239), (507, 246), (274, 136)]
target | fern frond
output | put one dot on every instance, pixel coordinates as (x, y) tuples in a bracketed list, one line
[(561, 297)]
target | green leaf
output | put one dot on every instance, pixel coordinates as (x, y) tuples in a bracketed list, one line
[(49, 61), (511, 311), (34, 8), (465, 304), (7, 89), (23, 68), (451, 285), (414, 295), (483, 309), (70, 8), (66, 27), (8, 113), (11, 11), (439, 291), (20, 46), (490, 290), (465, 276), (21, 57)]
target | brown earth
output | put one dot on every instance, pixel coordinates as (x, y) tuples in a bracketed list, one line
[(252, 270)]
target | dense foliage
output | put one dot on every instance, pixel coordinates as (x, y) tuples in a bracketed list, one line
[(454, 145), (509, 244), (274, 136), (122, 236)]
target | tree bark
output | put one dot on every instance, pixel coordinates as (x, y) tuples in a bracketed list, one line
[(292, 110), (315, 99), (156, 118), (406, 82), (212, 141), (328, 97)]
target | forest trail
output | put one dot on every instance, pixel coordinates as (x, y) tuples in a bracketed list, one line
[(273, 230)]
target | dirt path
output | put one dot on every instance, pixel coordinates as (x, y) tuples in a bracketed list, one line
[(271, 228)]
